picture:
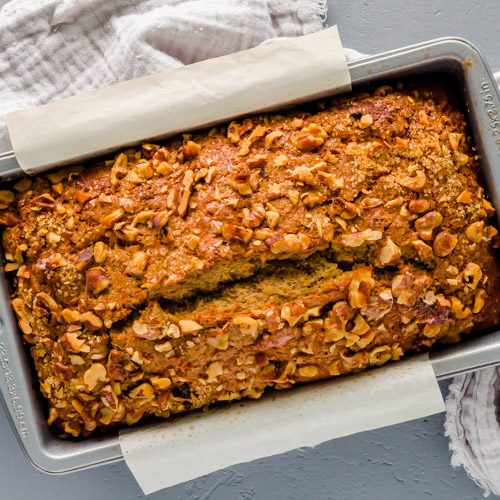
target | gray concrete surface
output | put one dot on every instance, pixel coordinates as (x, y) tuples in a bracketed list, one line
[(410, 460), (376, 25)]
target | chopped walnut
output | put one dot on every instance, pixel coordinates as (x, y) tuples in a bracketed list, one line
[(472, 274), (76, 360), (293, 196), (161, 383), (289, 243), (143, 217), (46, 301), (369, 202), (396, 202), (242, 187), (233, 133), (345, 209), (360, 287), (111, 219), (271, 139), (257, 161), (419, 206), (455, 139), (187, 184), (336, 322), (71, 343), (189, 326), (100, 252), (402, 287), (358, 238), (258, 132), (253, 217), (70, 315), (166, 347), (214, 370), (365, 121), (119, 169), (91, 320), (488, 207), (137, 265), (424, 251), (83, 259), (220, 341), (281, 161), (209, 175), (330, 179), (308, 371), (192, 241), (262, 233), (380, 355), (311, 199), (479, 301), (458, 309), (378, 305), (360, 326), (415, 183), (95, 374), (366, 339), (142, 391), (444, 243), (108, 397), (272, 218), (247, 325), (427, 223), (234, 233), (160, 220), (335, 368), (191, 149), (140, 329), (137, 358), (84, 413), (22, 316), (465, 197), (389, 253), (296, 312), (310, 137), (106, 415), (97, 280), (475, 232), (302, 174), (164, 168)]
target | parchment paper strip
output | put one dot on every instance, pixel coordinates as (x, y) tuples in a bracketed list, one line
[(173, 452), (159, 105)]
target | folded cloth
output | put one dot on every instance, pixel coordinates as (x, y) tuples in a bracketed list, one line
[(473, 428), (50, 49), (473, 423)]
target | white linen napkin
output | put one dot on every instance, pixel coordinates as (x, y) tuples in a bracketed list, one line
[(473, 423), (50, 49), (473, 427)]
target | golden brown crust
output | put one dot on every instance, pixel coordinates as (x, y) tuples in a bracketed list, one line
[(358, 225)]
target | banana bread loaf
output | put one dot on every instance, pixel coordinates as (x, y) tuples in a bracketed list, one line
[(274, 250)]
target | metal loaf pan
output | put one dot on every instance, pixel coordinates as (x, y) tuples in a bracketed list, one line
[(455, 57)]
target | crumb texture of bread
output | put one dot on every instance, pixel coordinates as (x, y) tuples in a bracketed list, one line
[(273, 250)]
